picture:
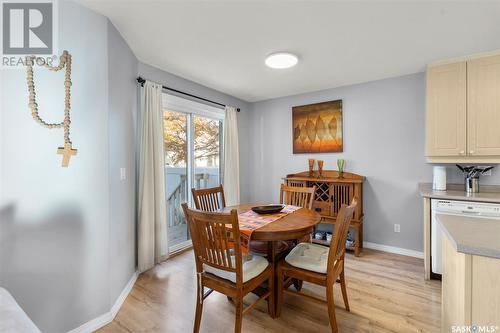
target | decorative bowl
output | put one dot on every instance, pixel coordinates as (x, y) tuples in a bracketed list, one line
[(268, 209)]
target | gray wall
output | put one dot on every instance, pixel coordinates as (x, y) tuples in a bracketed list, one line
[(122, 69), (383, 140), (67, 234)]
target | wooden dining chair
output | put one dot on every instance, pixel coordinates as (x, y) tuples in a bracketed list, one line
[(209, 199), (319, 264), (217, 268), (297, 196)]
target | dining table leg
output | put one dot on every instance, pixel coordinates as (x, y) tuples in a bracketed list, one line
[(272, 258)]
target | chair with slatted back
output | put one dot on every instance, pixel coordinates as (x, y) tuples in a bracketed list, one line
[(319, 264), (297, 196), (209, 199), (217, 268), (289, 195)]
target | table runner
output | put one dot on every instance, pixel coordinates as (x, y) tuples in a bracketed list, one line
[(250, 221)]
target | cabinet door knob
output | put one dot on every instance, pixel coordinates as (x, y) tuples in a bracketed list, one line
[(472, 152), (462, 152)]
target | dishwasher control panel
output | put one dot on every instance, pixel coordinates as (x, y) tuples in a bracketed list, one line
[(480, 209)]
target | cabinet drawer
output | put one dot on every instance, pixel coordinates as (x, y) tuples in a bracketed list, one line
[(323, 208), (296, 183)]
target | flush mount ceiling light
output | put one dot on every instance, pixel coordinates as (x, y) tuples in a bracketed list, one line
[(281, 60)]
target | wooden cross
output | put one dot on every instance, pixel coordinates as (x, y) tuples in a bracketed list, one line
[(66, 152)]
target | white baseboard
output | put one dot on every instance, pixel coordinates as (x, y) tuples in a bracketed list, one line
[(108, 317), (128, 288), (393, 249), (94, 324)]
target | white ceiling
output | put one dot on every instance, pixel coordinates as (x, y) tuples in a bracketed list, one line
[(222, 44)]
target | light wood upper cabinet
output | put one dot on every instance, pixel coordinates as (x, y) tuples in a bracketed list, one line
[(463, 110), (446, 109), (483, 106)]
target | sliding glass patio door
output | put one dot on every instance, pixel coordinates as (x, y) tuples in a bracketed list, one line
[(207, 139), (193, 142), (175, 133)]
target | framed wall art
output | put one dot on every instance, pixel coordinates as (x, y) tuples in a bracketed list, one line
[(317, 128)]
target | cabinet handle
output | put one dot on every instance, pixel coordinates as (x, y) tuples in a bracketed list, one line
[(462, 152), (472, 152)]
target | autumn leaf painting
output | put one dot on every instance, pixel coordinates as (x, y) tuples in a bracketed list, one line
[(317, 128)]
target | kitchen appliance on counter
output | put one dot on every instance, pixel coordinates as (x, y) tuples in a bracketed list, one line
[(460, 208), (439, 178), (472, 174)]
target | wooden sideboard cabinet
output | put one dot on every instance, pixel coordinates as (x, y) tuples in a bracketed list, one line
[(331, 192), (462, 112)]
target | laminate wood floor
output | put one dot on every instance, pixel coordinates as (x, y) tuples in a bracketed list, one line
[(387, 293)]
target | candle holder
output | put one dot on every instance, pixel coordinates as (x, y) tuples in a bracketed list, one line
[(311, 167), (320, 168), (340, 165)]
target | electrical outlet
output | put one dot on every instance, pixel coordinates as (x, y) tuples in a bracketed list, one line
[(123, 173), (397, 228)]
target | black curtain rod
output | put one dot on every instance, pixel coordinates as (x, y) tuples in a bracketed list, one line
[(141, 81)]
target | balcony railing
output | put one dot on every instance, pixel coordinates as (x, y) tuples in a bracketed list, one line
[(178, 196)]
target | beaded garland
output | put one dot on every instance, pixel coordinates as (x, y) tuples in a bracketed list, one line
[(64, 61)]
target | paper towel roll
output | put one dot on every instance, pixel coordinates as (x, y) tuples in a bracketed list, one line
[(439, 182)]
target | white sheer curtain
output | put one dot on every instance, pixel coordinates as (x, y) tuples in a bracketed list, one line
[(231, 158), (152, 246)]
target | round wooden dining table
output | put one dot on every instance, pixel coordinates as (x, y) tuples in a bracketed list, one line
[(293, 226)]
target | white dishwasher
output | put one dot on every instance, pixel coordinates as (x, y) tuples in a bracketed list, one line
[(461, 208)]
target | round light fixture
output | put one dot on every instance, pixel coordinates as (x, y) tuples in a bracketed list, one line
[(281, 60)]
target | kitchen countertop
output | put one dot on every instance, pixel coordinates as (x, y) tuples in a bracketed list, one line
[(489, 193), (472, 235)]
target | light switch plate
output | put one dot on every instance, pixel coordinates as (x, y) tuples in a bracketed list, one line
[(123, 173), (397, 228)]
